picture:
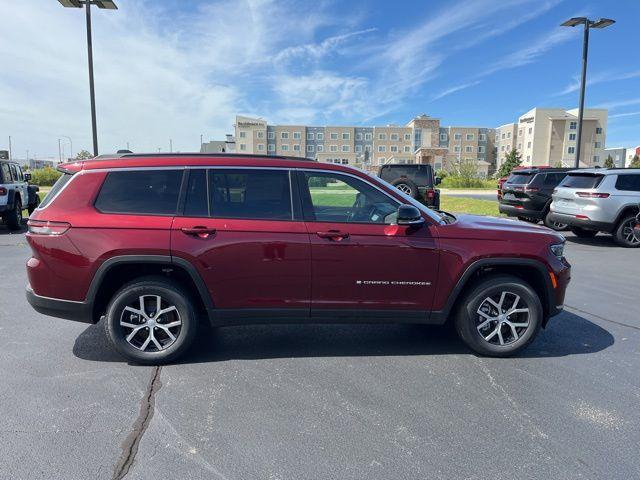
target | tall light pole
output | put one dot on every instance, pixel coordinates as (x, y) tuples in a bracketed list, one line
[(588, 24), (59, 151), (108, 4), (70, 145), (9, 147)]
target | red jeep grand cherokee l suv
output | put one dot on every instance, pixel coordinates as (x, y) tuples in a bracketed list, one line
[(157, 243)]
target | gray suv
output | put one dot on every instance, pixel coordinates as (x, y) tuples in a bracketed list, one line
[(599, 200)]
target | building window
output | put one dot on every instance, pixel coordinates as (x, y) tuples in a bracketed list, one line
[(571, 150), (368, 136), (261, 147), (346, 136), (509, 147), (393, 148), (596, 158), (407, 149), (271, 135), (284, 148), (382, 136), (502, 148), (358, 136), (520, 132), (480, 149), (528, 158), (530, 130), (504, 135), (345, 161), (309, 136), (573, 125), (519, 146), (260, 134), (381, 159), (358, 148), (333, 148), (297, 135), (296, 147), (468, 149), (528, 144), (284, 135), (470, 136), (456, 149), (457, 136), (243, 147), (382, 148), (320, 136), (310, 148), (394, 137), (572, 137), (482, 137), (407, 137), (443, 137), (345, 148), (508, 134), (271, 147), (597, 144), (598, 130), (320, 148), (367, 148), (333, 136)]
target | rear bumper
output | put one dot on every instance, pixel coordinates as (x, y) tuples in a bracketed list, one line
[(572, 221), (513, 211), (55, 307)]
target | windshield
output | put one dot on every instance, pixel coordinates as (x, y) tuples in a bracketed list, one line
[(412, 201), (581, 180)]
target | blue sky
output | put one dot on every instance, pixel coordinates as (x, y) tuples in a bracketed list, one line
[(174, 69)]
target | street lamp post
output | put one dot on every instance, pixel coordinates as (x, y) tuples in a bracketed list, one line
[(108, 4), (70, 145), (588, 24)]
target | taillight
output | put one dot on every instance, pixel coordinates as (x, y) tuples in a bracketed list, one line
[(592, 195), (43, 227), (3, 191), (431, 193), (582, 217), (531, 189)]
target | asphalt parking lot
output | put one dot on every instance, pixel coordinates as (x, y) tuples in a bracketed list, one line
[(326, 401)]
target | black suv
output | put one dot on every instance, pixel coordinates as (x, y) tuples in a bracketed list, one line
[(527, 194), (416, 180)]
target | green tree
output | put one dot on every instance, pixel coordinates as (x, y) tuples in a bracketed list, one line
[(83, 155), (608, 163), (512, 160), (635, 163)]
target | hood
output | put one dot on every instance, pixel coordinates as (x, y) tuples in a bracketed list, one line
[(481, 227)]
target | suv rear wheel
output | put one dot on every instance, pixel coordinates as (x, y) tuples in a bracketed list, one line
[(583, 233), (14, 217), (500, 316), (625, 235), (151, 321), (406, 186)]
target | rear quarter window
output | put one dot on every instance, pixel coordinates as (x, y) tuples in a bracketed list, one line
[(150, 192), (60, 183), (581, 180), (519, 178), (629, 183)]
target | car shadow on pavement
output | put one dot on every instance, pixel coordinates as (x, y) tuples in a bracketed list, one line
[(566, 334), (4, 230), (597, 241)]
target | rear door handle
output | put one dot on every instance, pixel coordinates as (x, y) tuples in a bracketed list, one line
[(333, 235), (199, 231)]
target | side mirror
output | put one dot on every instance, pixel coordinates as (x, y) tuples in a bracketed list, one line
[(409, 215), (27, 176), (438, 180)]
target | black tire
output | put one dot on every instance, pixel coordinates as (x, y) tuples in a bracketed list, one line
[(467, 320), (624, 234), (583, 233), (34, 205), (171, 295), (407, 186), (14, 217), (558, 227)]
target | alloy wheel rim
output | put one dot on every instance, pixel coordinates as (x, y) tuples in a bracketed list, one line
[(559, 226), (150, 324), (503, 318), (403, 187), (629, 234)]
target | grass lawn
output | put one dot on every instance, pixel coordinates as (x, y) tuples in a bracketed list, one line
[(469, 205)]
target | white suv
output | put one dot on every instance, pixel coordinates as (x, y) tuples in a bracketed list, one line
[(599, 200)]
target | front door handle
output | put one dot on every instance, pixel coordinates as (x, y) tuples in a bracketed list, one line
[(199, 231), (336, 235)]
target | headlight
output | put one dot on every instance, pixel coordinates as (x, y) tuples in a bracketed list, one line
[(557, 249)]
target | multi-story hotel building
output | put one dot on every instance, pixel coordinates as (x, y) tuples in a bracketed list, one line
[(422, 140), (548, 136)]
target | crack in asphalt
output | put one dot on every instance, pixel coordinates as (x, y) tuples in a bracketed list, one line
[(599, 317), (131, 443)]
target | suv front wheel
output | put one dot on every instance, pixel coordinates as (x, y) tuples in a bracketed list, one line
[(500, 316), (151, 321)]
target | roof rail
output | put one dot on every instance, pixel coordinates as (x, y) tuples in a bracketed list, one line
[(221, 154)]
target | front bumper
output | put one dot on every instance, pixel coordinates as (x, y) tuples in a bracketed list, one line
[(572, 221), (55, 307)]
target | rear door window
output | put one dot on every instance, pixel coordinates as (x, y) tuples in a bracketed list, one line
[(151, 192), (6, 173), (581, 180), (250, 194), (628, 183)]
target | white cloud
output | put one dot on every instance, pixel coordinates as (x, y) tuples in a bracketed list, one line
[(619, 103), (600, 77), (457, 88), (316, 51), (628, 114)]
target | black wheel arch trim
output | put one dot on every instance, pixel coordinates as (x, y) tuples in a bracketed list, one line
[(548, 302)]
